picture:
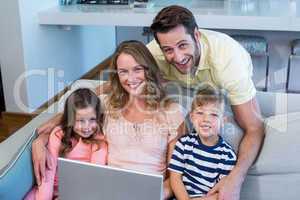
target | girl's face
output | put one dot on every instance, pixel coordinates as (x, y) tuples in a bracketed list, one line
[(131, 74), (85, 122)]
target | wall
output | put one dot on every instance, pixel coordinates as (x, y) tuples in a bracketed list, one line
[(11, 52), (51, 54), (39, 61), (97, 43)]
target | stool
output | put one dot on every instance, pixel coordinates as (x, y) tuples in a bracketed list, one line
[(293, 70), (257, 47)]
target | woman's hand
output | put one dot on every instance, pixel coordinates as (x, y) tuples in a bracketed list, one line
[(40, 157)]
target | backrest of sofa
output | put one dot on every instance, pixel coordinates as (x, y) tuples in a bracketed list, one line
[(272, 103)]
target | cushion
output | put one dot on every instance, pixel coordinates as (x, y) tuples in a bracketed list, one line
[(281, 148), (82, 83), (16, 179), (271, 187), (296, 47), (255, 45), (232, 134), (272, 103)]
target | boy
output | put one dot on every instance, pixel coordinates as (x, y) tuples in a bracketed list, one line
[(200, 159)]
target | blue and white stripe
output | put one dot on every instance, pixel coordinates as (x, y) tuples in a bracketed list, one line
[(201, 166)]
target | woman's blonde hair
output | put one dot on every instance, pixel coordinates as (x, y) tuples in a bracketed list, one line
[(152, 92)]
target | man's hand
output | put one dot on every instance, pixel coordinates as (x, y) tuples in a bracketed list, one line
[(41, 158), (228, 188)]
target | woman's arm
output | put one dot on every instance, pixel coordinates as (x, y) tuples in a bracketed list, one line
[(178, 186), (40, 155), (45, 189), (99, 156), (167, 186)]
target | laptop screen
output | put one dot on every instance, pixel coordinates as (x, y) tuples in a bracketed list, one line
[(81, 180)]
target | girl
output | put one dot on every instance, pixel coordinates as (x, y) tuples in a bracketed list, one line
[(78, 137)]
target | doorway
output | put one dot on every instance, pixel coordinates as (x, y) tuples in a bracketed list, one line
[(2, 102)]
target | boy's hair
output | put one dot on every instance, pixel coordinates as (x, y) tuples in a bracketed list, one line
[(171, 17), (207, 94), (79, 99)]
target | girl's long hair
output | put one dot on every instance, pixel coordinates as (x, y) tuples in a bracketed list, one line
[(153, 92), (79, 99)]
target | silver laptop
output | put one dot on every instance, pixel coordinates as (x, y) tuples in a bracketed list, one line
[(86, 181)]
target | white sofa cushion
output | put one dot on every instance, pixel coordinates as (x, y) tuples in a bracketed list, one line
[(82, 83), (272, 103), (281, 148)]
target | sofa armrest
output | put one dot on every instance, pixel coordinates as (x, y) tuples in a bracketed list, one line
[(16, 170), (15, 152)]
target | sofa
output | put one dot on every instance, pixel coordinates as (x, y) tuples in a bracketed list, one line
[(275, 175)]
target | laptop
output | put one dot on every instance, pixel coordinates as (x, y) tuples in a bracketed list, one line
[(81, 180)]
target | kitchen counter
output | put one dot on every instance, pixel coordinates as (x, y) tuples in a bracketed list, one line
[(276, 15)]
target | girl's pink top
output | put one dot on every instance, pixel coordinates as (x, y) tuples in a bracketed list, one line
[(81, 151)]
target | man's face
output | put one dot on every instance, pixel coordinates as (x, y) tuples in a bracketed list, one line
[(180, 49)]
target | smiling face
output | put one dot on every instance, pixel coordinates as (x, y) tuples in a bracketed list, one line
[(131, 74), (207, 120), (85, 122), (180, 49)]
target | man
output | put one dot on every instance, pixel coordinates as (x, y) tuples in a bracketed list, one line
[(190, 56)]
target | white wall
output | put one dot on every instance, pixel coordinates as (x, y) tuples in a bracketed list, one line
[(51, 54), (11, 52), (42, 60)]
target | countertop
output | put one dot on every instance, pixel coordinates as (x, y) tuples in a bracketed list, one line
[(271, 15)]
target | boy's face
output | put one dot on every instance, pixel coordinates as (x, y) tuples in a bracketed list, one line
[(207, 120)]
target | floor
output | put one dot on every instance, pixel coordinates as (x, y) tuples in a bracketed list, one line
[(11, 123)]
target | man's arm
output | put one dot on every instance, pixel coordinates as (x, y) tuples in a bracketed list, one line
[(249, 119)]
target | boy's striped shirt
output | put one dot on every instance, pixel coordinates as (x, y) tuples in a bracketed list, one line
[(201, 166)]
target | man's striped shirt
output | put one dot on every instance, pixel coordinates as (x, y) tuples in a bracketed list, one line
[(201, 166)]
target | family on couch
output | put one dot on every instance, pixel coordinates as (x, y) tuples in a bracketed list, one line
[(135, 99)]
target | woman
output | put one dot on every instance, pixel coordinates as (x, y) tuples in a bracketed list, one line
[(140, 121)]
